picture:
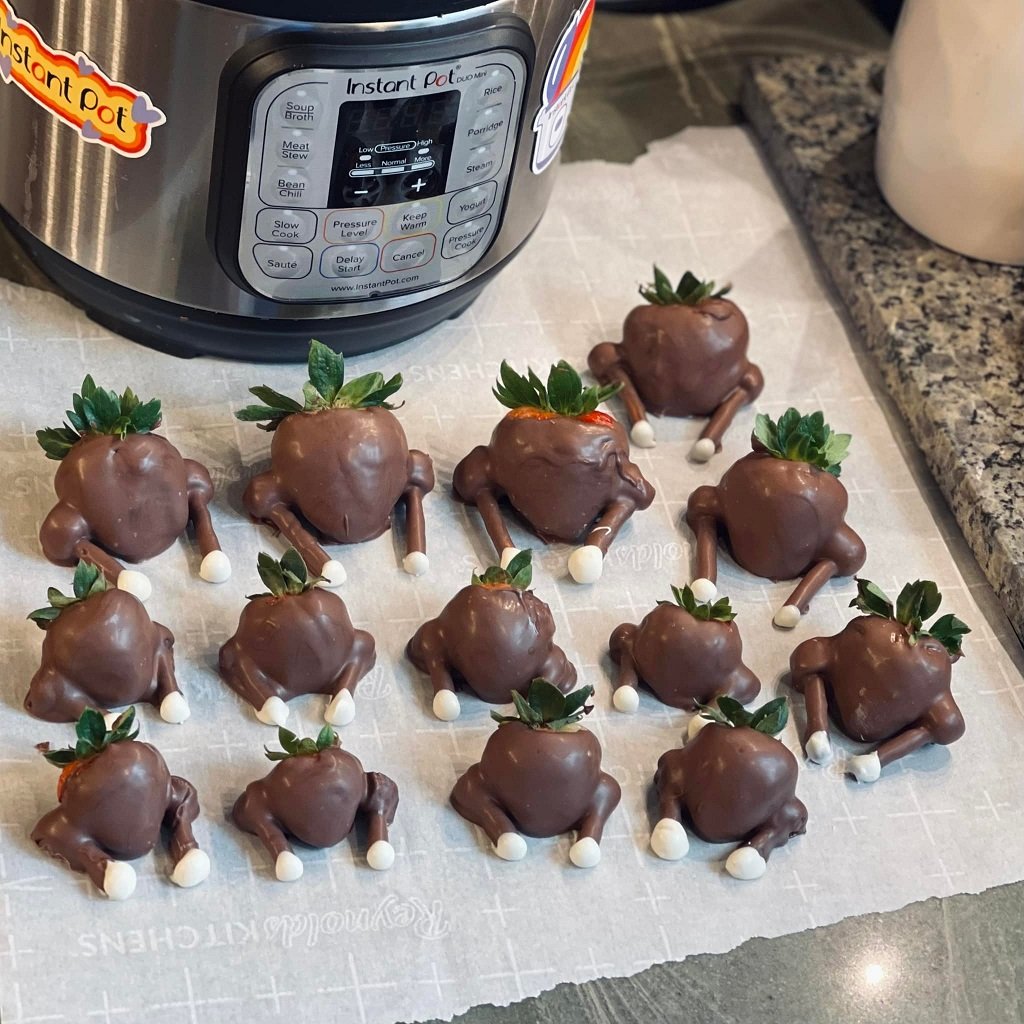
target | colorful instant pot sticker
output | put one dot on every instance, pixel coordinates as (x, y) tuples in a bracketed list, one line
[(560, 87), (74, 90)]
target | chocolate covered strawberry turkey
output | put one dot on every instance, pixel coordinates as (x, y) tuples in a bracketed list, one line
[(686, 651), (540, 774), (115, 795), (781, 510), (124, 492), (339, 463), (492, 637), (733, 782), (560, 463), (683, 353), (295, 639), (101, 650), (314, 794), (885, 677)]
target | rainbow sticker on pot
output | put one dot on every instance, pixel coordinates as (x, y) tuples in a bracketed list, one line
[(559, 88), (74, 90)]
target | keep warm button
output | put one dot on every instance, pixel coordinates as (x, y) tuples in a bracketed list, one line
[(408, 253), (465, 238)]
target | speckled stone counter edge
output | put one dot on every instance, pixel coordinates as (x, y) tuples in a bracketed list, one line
[(945, 330)]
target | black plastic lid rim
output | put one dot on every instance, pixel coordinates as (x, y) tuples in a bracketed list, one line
[(346, 12)]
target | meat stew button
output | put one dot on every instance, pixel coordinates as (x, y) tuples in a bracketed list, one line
[(285, 261), (465, 238), (408, 253)]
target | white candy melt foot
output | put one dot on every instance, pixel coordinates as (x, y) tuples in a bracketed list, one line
[(341, 710), (273, 712), (288, 867), (669, 840), (333, 573), (695, 725), (381, 855), (865, 767), (446, 705), (642, 434), (819, 747), (702, 450), (216, 567), (118, 880), (746, 864), (174, 709), (135, 583), (586, 564), (626, 700), (510, 846), (416, 563), (585, 853), (192, 869), (787, 616), (704, 590), (507, 555)]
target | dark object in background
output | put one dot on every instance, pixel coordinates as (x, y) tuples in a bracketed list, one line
[(888, 11), (654, 6)]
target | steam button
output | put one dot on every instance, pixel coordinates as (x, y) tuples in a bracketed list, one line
[(480, 165)]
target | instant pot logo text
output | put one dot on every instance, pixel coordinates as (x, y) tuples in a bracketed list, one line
[(559, 88), (74, 90), (433, 79)]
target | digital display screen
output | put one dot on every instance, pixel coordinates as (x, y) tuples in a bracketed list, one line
[(394, 150)]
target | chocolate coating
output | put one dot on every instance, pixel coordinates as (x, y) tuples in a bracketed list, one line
[(493, 639), (103, 652), (684, 660)]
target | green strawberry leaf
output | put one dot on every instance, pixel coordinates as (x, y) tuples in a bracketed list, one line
[(519, 573), (802, 439)]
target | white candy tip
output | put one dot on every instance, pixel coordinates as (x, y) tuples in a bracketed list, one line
[(704, 590), (697, 723), (136, 583), (865, 767), (702, 450), (341, 710), (585, 853), (746, 864), (192, 869), (510, 846), (118, 880), (787, 616), (642, 434), (381, 855), (819, 747), (273, 712), (626, 700), (416, 563), (174, 709), (669, 840), (586, 564), (507, 555), (333, 573), (216, 567), (446, 705), (288, 867)]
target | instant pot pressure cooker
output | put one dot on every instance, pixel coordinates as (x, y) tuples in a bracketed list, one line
[(235, 177)]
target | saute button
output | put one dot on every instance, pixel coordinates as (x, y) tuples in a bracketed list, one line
[(481, 164), (288, 261), (472, 202), (465, 238), (286, 225), (349, 260), (414, 218), (488, 124), (408, 253), (300, 108), (353, 225)]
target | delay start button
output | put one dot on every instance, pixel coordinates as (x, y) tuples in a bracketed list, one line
[(408, 253), (348, 260), (465, 238)]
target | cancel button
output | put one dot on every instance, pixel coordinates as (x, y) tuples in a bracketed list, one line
[(465, 238)]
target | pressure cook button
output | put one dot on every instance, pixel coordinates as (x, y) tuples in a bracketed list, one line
[(408, 253), (294, 147), (465, 238), (472, 202), (286, 225), (349, 260), (299, 108), (288, 183), (480, 165), (414, 218), (353, 225), (496, 87), (288, 261), (488, 124)]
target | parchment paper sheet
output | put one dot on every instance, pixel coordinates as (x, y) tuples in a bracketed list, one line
[(451, 926)]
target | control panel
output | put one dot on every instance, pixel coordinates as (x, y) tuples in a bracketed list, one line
[(363, 183)]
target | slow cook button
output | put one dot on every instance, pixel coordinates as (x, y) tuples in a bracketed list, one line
[(414, 218), (480, 165), (300, 108), (287, 261), (465, 238), (472, 202), (487, 125), (286, 225), (353, 225), (408, 253), (349, 260)]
